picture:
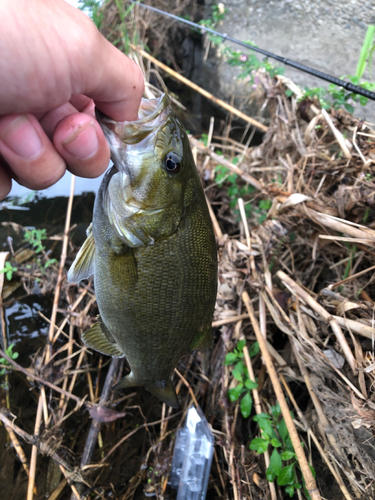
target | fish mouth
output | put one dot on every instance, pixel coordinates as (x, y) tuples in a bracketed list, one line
[(152, 114)]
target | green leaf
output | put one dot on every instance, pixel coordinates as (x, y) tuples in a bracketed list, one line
[(276, 462), (275, 443), (276, 411), (230, 358), (259, 445), (254, 349), (265, 424), (261, 418), (282, 428), (241, 344), (249, 384), (265, 204), (286, 475), (287, 455), (238, 375), (290, 490), (233, 191), (235, 392), (246, 405), (270, 475), (312, 471), (349, 107), (288, 444), (8, 274)]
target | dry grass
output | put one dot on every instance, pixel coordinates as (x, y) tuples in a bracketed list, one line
[(308, 269)]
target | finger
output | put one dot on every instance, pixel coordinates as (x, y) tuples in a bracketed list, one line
[(81, 102), (50, 120), (5, 183), (81, 142), (118, 82), (28, 152)]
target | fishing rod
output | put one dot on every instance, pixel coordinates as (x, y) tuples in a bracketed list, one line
[(350, 87)]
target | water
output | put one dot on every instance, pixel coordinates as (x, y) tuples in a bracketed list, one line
[(61, 188)]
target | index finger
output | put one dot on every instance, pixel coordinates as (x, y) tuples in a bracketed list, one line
[(116, 82)]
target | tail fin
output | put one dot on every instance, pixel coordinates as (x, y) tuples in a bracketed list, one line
[(164, 391)]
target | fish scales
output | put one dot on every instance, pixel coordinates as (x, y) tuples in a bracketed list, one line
[(155, 272)]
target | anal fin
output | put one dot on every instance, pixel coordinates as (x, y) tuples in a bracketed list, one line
[(83, 265), (96, 339), (164, 390), (166, 393)]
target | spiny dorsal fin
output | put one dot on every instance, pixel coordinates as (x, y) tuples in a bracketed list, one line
[(83, 265), (202, 340), (96, 339)]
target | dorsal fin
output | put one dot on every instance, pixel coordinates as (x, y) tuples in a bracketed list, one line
[(83, 265)]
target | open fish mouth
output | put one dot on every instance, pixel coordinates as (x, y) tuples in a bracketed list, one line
[(151, 115)]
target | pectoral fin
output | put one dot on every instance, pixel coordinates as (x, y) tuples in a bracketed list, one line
[(83, 265), (96, 339), (202, 340)]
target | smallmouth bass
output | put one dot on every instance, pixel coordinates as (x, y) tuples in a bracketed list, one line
[(152, 250)]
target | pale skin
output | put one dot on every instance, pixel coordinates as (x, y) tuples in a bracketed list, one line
[(55, 68)]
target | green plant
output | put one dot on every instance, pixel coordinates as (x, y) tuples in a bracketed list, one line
[(235, 189), (93, 9), (34, 237), (218, 12), (367, 51), (283, 465), (338, 97), (8, 270), (248, 63), (245, 385), (12, 355)]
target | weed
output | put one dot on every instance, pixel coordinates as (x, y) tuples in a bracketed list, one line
[(245, 386), (334, 96), (248, 64), (8, 270), (34, 238), (338, 97), (12, 355), (274, 433), (93, 9)]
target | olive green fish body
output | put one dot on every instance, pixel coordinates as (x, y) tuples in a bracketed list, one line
[(155, 277)]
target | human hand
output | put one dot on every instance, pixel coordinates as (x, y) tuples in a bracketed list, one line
[(55, 67)]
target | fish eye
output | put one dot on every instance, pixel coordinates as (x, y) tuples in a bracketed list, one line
[(172, 163)]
